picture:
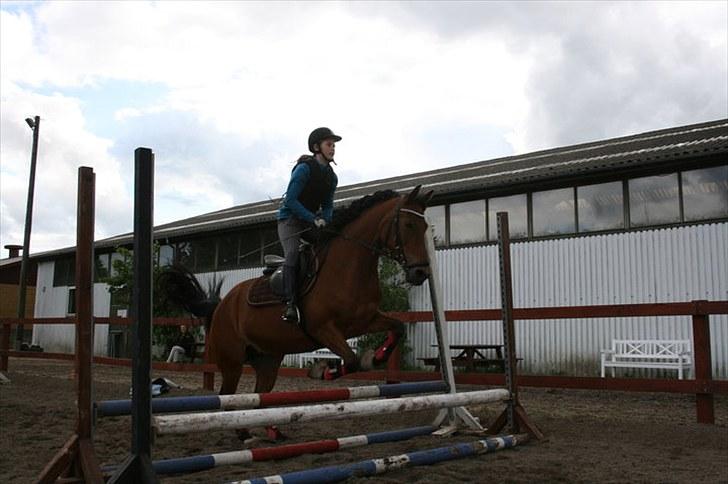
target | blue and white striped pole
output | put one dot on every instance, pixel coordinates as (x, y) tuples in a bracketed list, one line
[(113, 408), (205, 462), (380, 466)]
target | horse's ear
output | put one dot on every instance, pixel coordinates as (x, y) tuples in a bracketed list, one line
[(425, 198), (412, 196)]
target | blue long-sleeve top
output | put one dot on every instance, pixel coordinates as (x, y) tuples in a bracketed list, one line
[(291, 206)]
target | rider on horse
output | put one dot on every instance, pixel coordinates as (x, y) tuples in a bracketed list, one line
[(308, 203)]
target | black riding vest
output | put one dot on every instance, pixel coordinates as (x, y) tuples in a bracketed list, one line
[(320, 183)]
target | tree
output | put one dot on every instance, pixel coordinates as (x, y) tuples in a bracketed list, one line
[(121, 285), (395, 297)]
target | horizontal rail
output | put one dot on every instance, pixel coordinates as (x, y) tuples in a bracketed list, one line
[(566, 312), (494, 379), (106, 360), (576, 312), (113, 408), (235, 419), (374, 467), (205, 462), (158, 321)]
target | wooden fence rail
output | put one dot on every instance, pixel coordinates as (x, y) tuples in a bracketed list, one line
[(703, 385)]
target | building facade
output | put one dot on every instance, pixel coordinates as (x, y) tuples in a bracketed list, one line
[(637, 219)]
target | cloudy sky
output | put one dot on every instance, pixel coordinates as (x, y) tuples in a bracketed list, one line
[(226, 93)]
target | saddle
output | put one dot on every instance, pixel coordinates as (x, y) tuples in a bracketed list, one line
[(268, 288)]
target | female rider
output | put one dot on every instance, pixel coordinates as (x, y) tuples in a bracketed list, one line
[(308, 203)]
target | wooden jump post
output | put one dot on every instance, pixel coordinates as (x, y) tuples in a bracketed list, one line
[(77, 458), (514, 416), (137, 468)]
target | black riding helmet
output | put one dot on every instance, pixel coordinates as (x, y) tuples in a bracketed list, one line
[(320, 134)]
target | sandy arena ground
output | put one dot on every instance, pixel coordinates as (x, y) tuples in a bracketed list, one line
[(592, 436)]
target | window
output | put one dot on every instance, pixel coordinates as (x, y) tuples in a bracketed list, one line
[(467, 222), (601, 207), (654, 200), (166, 255), (271, 244), (705, 193), (515, 205), (227, 255), (203, 251), (250, 249), (436, 217), (64, 272), (553, 212), (71, 302)]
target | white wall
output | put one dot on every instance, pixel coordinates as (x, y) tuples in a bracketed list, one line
[(51, 302)]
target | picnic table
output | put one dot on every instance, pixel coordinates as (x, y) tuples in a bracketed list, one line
[(472, 356)]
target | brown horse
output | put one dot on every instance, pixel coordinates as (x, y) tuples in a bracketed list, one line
[(343, 302)]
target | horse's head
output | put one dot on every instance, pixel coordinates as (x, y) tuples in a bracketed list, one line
[(406, 237)]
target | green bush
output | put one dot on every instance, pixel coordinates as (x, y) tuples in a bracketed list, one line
[(121, 286), (395, 297)]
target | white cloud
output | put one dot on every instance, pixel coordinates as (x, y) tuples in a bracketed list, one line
[(411, 86), (64, 145)]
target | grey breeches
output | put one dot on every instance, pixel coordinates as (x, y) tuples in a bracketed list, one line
[(289, 234), (290, 237)]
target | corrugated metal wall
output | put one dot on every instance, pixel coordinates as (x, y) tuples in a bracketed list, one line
[(679, 264)]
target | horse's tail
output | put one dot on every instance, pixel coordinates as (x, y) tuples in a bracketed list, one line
[(180, 287)]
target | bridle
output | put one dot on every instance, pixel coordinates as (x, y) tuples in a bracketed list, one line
[(380, 249), (397, 252)]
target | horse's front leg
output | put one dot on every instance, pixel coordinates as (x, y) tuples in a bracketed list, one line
[(330, 336), (395, 328)]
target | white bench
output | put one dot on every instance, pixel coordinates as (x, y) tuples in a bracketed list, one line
[(648, 353), (322, 354)]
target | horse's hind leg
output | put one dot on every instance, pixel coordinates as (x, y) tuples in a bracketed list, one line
[(266, 372)]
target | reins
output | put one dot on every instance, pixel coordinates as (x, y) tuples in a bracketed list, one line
[(396, 253)]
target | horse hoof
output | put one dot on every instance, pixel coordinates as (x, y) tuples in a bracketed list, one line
[(317, 371), (366, 361)]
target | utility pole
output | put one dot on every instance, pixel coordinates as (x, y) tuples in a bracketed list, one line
[(35, 126)]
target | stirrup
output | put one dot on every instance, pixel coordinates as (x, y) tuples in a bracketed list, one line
[(290, 317)]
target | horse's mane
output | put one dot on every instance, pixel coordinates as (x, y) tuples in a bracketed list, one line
[(344, 216)]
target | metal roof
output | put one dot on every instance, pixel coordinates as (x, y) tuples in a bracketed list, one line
[(641, 150)]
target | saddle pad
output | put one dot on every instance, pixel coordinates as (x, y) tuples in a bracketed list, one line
[(260, 293)]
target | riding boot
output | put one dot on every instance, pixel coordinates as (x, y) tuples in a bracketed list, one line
[(289, 284)]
